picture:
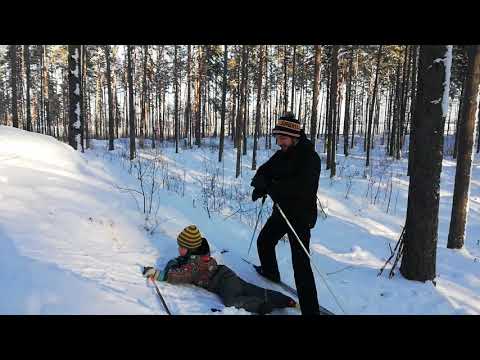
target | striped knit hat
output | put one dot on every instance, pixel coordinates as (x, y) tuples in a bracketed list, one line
[(287, 125), (190, 237)]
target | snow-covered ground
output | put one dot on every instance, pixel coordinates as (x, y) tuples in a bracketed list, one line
[(73, 235)]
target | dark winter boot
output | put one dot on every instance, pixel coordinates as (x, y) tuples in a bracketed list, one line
[(259, 270)]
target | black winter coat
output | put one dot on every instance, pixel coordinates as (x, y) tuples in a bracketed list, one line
[(292, 181)]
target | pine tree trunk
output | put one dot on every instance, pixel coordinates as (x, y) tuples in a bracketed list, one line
[(13, 83), (214, 106), (328, 123), (258, 109), (131, 102), (74, 95), (403, 95), (188, 108), (98, 102), (320, 121), (116, 107), (20, 89), (204, 103), (316, 91), (151, 102), (362, 111), (459, 114), (448, 122), (224, 99), (372, 106), (241, 109), (179, 102), (198, 96), (338, 110), (26, 55), (2, 103), (111, 133), (364, 127), (413, 95), (157, 113), (421, 225), (236, 105), (478, 130), (47, 93), (389, 114), (40, 105), (82, 107), (103, 113), (65, 106), (292, 106), (87, 114), (125, 96), (143, 99), (175, 82), (267, 97), (414, 79), (393, 141), (163, 120), (405, 100), (203, 117), (85, 97), (354, 110), (333, 110), (456, 234), (346, 121), (233, 117), (303, 122), (246, 110), (285, 79)]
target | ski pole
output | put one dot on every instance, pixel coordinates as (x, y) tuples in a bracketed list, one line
[(160, 296), (256, 224), (306, 252), (321, 207)]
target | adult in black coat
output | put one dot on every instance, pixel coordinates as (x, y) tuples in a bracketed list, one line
[(290, 177)]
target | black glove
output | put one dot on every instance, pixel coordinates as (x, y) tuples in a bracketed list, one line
[(257, 194), (259, 182)]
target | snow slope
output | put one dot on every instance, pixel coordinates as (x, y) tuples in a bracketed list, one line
[(72, 242)]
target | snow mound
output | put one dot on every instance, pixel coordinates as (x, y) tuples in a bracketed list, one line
[(64, 246)]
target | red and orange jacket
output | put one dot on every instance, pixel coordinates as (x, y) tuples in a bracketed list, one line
[(197, 270)]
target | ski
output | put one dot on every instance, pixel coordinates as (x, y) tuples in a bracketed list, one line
[(289, 289), (286, 287)]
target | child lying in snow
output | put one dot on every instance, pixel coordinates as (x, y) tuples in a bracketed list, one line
[(196, 266)]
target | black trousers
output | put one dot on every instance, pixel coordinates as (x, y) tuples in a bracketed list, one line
[(269, 236), (235, 291)]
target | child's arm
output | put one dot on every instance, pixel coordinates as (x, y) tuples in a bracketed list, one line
[(182, 274), (161, 275)]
